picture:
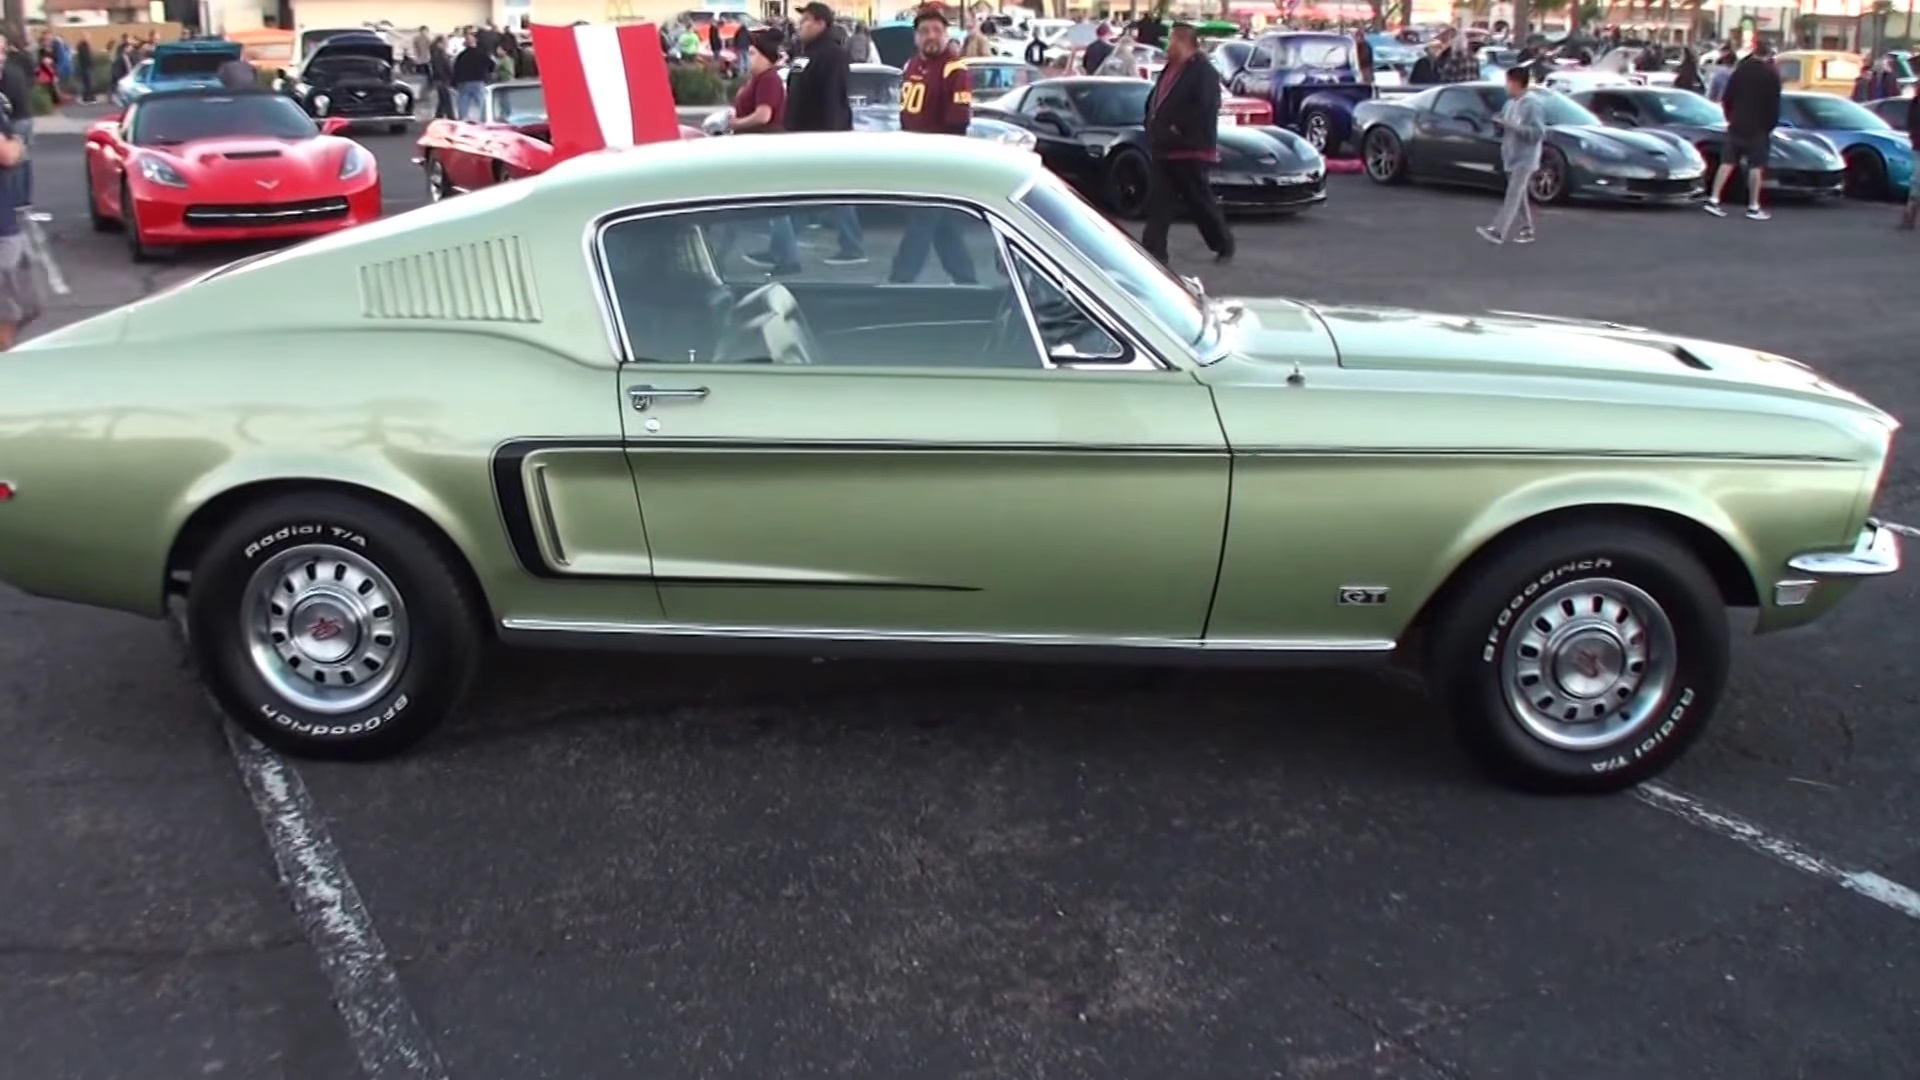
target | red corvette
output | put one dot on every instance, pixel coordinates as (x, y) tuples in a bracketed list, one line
[(202, 166), (512, 139)]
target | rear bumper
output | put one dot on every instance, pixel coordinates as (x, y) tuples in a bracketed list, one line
[(182, 220)]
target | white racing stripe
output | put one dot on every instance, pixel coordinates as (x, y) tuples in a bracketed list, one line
[(381, 1025), (606, 70), (1864, 882)]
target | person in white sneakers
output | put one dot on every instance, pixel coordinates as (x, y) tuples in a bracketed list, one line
[(1522, 129), (1752, 107)]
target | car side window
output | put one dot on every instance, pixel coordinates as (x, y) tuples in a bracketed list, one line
[(1046, 98), (1611, 105), (1068, 332), (1262, 57), (1459, 101), (840, 284)]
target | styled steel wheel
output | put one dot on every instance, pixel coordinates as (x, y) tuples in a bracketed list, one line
[(1585, 655), (331, 625), (1588, 664), (1382, 155), (1317, 126), (1129, 183), (1549, 182), (438, 186), (326, 628)]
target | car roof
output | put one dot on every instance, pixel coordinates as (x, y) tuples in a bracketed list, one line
[(205, 92), (795, 163)]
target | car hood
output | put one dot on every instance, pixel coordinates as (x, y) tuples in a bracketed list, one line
[(1506, 353), (367, 46), (1640, 144), (289, 168)]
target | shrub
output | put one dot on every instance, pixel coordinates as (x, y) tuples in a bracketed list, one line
[(696, 84), (42, 101)]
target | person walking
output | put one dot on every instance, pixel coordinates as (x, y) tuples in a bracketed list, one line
[(1522, 127), (1723, 66), (16, 85), (1183, 131), (1098, 51), (761, 108), (1037, 51), (83, 69), (936, 98), (18, 304), (420, 54), (1912, 211), (1752, 108), (1687, 76), (817, 101), (440, 78)]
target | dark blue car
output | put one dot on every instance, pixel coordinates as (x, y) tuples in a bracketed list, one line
[(1312, 80)]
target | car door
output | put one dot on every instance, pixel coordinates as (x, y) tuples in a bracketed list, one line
[(1060, 147), (1458, 142), (878, 453)]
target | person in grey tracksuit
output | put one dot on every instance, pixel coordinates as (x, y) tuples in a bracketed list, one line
[(1522, 129)]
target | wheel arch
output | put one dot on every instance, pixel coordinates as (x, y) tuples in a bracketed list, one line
[(205, 520), (1714, 544)]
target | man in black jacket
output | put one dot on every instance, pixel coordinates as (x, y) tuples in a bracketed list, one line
[(1183, 129), (1752, 106), (472, 68), (817, 101)]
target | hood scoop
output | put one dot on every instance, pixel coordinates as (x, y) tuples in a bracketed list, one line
[(251, 155)]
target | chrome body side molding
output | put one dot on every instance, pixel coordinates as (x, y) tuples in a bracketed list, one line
[(681, 637)]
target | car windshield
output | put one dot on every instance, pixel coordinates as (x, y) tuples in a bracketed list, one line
[(1685, 107), (520, 105), (1828, 113), (873, 87), (997, 76), (172, 121), (1116, 104), (1389, 50), (1118, 258), (1317, 53), (1557, 108)]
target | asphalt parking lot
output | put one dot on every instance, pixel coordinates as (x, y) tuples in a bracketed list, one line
[(623, 867)]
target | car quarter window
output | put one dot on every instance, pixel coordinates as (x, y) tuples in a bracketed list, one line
[(1068, 332), (1262, 56), (841, 284)]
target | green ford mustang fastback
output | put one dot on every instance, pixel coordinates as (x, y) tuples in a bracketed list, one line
[(644, 399)]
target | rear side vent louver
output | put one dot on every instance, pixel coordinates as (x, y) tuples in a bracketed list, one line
[(485, 281)]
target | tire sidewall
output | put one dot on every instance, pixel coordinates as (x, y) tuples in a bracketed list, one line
[(1129, 158), (1385, 138), (433, 677), (1700, 666), (1552, 159)]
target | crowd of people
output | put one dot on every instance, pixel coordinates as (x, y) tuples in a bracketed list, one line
[(458, 67)]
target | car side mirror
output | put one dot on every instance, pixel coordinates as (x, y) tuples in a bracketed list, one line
[(1468, 119), (333, 125)]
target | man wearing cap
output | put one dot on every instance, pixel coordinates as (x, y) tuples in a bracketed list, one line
[(1183, 133), (1097, 52), (936, 98)]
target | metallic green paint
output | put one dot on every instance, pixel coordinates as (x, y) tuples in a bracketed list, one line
[(1330, 447)]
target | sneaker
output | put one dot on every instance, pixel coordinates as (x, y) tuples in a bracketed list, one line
[(1754, 213), (783, 270), (845, 258), (761, 259), (1714, 208), (1486, 233), (1525, 237)]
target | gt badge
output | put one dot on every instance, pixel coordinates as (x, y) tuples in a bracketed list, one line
[(1362, 595)]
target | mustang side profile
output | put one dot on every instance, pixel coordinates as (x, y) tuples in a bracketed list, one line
[(205, 166), (568, 411)]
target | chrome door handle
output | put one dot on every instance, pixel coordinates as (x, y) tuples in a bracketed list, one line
[(642, 396)]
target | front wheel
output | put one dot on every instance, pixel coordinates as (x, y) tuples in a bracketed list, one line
[(1867, 176), (1129, 184), (438, 185), (1550, 183), (328, 626), (137, 248), (1581, 658)]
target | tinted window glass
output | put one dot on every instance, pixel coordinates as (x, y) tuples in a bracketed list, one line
[(756, 285), (1112, 104), (171, 121), (1824, 111), (520, 104)]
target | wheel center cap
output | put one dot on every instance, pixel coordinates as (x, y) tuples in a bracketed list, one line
[(324, 630), (1588, 665)]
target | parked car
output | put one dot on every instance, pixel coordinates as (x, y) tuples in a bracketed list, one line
[(512, 140), (1313, 81), (1446, 135), (193, 64), (1892, 110), (183, 167), (1091, 130), (1799, 163), (995, 75), (1879, 159), (352, 76), (1092, 459)]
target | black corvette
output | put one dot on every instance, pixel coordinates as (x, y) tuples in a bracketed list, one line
[(352, 75), (1446, 135), (1092, 132), (1799, 163)]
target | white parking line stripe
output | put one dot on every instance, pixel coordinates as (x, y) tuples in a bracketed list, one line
[(385, 1033), (1865, 882)]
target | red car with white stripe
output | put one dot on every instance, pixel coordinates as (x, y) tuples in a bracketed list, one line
[(204, 166)]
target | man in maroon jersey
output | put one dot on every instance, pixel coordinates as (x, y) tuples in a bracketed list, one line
[(936, 98)]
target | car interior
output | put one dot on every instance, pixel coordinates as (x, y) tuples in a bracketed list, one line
[(685, 295)]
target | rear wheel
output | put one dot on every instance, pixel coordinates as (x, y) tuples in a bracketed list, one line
[(1129, 182), (1867, 176), (438, 185), (329, 626), (100, 221), (1384, 155), (1317, 125), (1580, 658)]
